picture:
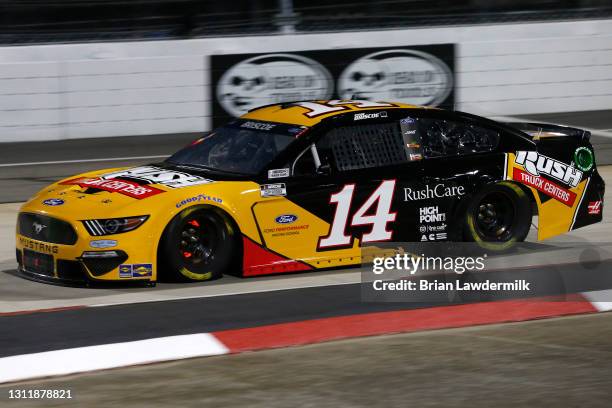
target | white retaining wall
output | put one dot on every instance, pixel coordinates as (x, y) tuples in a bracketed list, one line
[(67, 91)]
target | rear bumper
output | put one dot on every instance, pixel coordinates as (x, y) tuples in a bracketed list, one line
[(591, 207)]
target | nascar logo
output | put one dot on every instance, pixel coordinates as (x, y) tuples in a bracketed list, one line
[(536, 164)]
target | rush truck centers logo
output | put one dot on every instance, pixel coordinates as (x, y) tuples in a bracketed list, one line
[(536, 164), (545, 186)]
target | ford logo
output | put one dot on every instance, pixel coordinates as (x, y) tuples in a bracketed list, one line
[(53, 201), (286, 219)]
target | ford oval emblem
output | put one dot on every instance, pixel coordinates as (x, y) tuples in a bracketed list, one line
[(286, 219), (53, 201)]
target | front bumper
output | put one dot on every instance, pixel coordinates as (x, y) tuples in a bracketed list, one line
[(78, 261), (52, 271)]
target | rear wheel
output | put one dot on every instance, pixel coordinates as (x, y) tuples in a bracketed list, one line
[(197, 245), (498, 216)]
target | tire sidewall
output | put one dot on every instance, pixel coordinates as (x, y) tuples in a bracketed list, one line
[(522, 216), (173, 262)]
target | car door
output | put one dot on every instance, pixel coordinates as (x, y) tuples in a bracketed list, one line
[(345, 189)]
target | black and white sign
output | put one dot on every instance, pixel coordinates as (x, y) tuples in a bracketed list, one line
[(420, 75)]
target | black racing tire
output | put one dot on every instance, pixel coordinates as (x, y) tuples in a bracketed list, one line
[(199, 244), (498, 216)]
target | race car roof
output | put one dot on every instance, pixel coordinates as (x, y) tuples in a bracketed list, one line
[(310, 113)]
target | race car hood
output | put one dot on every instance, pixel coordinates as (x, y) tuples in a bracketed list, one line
[(123, 192)]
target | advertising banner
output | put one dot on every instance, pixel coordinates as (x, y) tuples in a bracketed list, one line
[(420, 75)]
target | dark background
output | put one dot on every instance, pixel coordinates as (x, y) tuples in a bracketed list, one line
[(44, 21)]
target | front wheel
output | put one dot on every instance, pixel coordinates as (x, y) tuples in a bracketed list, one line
[(498, 216), (197, 245)]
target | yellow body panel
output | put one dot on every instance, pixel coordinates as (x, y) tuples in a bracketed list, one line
[(554, 217), (298, 240), (141, 244)]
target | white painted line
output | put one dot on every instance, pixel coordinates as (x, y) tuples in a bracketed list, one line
[(82, 161), (600, 299), (81, 359)]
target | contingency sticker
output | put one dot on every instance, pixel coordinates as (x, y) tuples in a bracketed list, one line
[(273, 190), (125, 271), (278, 173), (142, 270), (135, 270)]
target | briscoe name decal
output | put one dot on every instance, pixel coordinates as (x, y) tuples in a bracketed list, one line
[(361, 116), (258, 125), (536, 164), (438, 191)]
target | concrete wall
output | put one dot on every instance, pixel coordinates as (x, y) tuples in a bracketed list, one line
[(111, 89)]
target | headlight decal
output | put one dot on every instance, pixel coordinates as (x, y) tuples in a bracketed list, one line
[(93, 227)]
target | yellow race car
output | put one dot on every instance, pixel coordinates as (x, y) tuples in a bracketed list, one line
[(304, 185)]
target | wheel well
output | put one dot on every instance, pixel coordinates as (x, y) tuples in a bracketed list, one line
[(457, 227), (529, 193), (223, 214)]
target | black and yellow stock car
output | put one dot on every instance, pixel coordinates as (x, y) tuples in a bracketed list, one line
[(301, 186)]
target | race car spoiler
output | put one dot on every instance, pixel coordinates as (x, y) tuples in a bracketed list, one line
[(537, 131)]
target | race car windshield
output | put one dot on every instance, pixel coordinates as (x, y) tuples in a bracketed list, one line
[(242, 146)]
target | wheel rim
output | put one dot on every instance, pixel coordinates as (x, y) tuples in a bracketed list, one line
[(495, 217), (198, 241)]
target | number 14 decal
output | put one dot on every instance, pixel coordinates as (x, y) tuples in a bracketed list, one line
[(382, 197)]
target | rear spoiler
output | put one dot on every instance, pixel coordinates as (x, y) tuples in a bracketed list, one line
[(539, 131)]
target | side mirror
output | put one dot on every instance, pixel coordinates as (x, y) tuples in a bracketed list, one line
[(324, 170)]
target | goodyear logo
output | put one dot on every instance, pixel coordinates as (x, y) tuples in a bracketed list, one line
[(197, 199)]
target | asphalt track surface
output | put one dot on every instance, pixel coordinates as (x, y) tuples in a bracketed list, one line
[(562, 362), (535, 364)]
